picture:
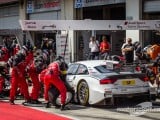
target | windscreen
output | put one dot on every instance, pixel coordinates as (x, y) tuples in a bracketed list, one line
[(102, 69), (116, 68)]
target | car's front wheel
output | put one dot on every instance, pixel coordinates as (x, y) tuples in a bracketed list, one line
[(83, 93)]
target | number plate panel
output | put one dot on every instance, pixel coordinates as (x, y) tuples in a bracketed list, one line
[(128, 82)]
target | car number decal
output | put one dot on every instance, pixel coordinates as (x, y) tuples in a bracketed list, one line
[(128, 82)]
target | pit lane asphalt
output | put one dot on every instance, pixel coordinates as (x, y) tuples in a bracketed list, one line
[(78, 112)]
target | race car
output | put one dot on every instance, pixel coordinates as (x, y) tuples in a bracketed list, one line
[(99, 82)]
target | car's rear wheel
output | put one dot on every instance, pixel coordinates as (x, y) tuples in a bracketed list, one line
[(153, 97), (83, 93)]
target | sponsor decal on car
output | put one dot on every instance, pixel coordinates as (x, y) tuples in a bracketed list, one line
[(140, 109)]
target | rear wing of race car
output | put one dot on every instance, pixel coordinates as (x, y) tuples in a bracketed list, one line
[(121, 67)]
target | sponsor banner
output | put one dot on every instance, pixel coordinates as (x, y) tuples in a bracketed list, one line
[(30, 6), (62, 47), (43, 5), (78, 4), (137, 25), (89, 3), (45, 25)]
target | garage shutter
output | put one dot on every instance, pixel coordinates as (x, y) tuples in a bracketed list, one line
[(45, 16), (11, 22), (152, 6), (9, 17)]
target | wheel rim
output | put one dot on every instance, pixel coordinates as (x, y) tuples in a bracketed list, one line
[(83, 93)]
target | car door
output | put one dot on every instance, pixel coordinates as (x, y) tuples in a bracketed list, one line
[(71, 74)]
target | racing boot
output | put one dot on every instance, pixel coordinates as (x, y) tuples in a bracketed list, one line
[(63, 107), (48, 105), (11, 102), (28, 101), (36, 102), (1, 95)]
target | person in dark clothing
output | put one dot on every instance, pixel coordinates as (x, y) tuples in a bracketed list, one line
[(45, 44), (128, 50), (138, 51)]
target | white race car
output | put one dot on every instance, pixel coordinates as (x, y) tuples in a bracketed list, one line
[(96, 82)]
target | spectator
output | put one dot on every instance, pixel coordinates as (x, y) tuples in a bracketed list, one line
[(104, 47), (153, 51), (45, 44), (124, 43), (138, 51), (52, 49), (49, 45), (128, 50), (94, 46)]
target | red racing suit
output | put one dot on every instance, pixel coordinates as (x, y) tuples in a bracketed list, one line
[(1, 83), (15, 50), (18, 80), (2, 79), (4, 58), (29, 58), (35, 80), (6, 54), (52, 77)]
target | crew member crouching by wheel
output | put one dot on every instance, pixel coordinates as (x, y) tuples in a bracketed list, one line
[(52, 77)]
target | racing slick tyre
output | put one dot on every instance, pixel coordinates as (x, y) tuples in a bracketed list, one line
[(53, 94), (83, 93), (55, 98), (153, 97)]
